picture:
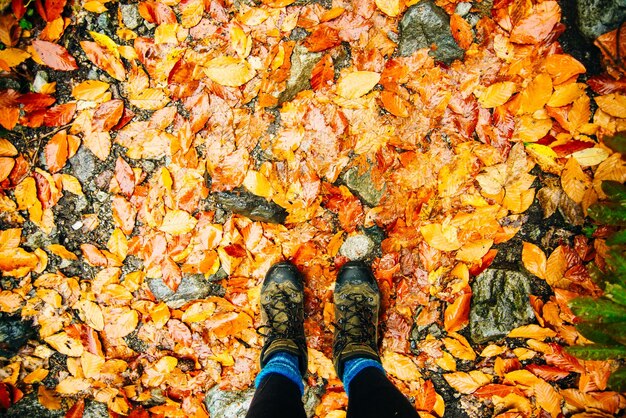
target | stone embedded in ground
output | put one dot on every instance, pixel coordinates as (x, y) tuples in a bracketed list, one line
[(363, 186), (500, 303), (30, 407), (192, 287), (596, 17), (130, 15), (83, 165), (357, 247), (302, 62), (423, 25), (14, 333), (254, 207)]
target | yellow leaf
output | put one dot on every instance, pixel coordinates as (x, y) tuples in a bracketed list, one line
[(118, 243), (94, 7), (71, 184), (72, 385), (65, 345), (191, 13), (591, 156), (566, 94), (240, 41), (467, 383), (534, 260), (61, 251), (400, 366), (529, 129), (48, 398), (321, 365), (166, 364), (459, 348), (389, 7), (614, 104), (229, 71), (434, 236), (542, 150), (492, 350), (533, 331), (105, 42), (257, 183), (91, 364), (149, 99), (253, 16), (93, 315), (91, 90), (6, 166), (36, 376), (357, 84), (13, 56), (574, 180), (198, 312), (7, 149), (497, 94), (9, 301), (178, 222), (120, 323), (548, 398), (474, 251), (10, 238), (535, 96)]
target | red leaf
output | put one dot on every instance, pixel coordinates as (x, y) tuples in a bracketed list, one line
[(77, 410), (55, 56), (322, 38), (44, 194), (60, 115), (486, 261), (5, 396), (35, 101), (127, 116), (57, 152), (107, 115), (124, 176), (549, 373), (323, 73), (155, 12), (18, 8), (605, 84), (139, 412), (571, 147), (54, 8), (171, 273), (491, 390)]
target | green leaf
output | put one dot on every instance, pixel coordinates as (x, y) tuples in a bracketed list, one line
[(595, 333), (597, 351), (617, 264), (618, 238), (617, 143), (609, 213), (615, 190), (617, 381), (616, 292), (600, 310)]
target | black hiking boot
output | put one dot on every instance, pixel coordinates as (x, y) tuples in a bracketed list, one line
[(357, 301), (282, 313)]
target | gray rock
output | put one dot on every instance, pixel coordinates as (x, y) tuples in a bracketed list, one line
[(302, 63), (362, 186), (130, 15), (14, 333), (500, 303), (192, 287), (463, 8), (425, 24), (41, 78), (29, 406), (94, 409), (357, 247), (232, 404), (596, 17), (254, 207), (83, 164)]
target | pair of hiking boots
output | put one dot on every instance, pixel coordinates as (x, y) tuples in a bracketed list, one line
[(357, 301)]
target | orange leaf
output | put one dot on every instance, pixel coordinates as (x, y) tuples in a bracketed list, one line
[(59, 115), (171, 273), (538, 24), (125, 176), (323, 73), (7, 149), (535, 96), (94, 256), (99, 143), (425, 397), (77, 410), (104, 60), (534, 260), (467, 382), (57, 152), (497, 94), (395, 104), (563, 67), (123, 214), (55, 56), (457, 313), (107, 115), (461, 31), (119, 322), (6, 166)]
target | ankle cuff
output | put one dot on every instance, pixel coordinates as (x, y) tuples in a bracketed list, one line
[(286, 346), (353, 351)]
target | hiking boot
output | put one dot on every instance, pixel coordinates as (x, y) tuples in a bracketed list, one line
[(357, 301), (282, 313)]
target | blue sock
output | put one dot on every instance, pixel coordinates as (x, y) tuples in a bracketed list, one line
[(285, 364), (354, 366)]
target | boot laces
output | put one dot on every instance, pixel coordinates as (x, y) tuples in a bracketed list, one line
[(357, 325), (282, 318)]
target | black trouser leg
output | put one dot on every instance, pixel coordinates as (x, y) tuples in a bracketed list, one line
[(372, 395), (277, 397)]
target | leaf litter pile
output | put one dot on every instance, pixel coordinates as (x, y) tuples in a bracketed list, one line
[(206, 97)]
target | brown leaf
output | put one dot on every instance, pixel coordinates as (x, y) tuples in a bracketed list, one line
[(125, 177), (35, 101), (107, 115), (77, 410), (55, 56), (57, 151)]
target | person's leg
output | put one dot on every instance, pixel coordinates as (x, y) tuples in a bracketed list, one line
[(284, 355), (279, 389), (355, 349)]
